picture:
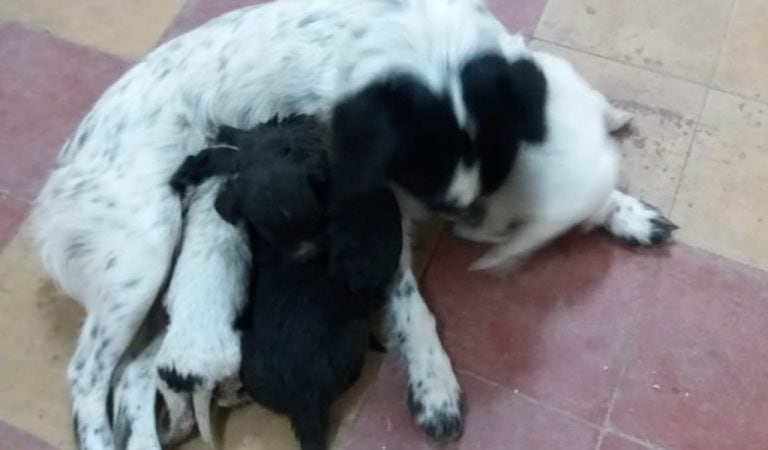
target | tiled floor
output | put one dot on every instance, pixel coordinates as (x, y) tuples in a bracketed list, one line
[(590, 345)]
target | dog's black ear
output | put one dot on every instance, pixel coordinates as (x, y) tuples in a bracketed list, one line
[(506, 102), (364, 141), (207, 163), (496, 90), (226, 204)]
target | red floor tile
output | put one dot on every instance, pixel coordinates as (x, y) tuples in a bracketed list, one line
[(496, 418), (197, 12), (12, 213), (555, 329), (519, 16), (615, 442), (12, 438), (46, 86), (697, 376)]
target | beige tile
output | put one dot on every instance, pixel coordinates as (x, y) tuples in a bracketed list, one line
[(124, 28), (681, 38), (722, 204), (665, 111), (743, 67), (37, 335)]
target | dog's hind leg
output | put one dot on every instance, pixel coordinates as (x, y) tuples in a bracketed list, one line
[(134, 404), (119, 288)]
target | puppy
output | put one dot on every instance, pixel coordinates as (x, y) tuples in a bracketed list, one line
[(320, 267), (567, 178)]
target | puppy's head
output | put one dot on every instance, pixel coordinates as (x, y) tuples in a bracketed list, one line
[(445, 149), (277, 202)]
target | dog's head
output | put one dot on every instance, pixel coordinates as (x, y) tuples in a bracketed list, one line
[(444, 148), (276, 200)]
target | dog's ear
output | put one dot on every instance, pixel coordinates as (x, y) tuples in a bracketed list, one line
[(220, 160), (506, 102), (363, 141), (226, 204), (495, 89)]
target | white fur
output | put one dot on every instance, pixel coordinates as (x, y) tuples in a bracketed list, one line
[(568, 179), (108, 224)]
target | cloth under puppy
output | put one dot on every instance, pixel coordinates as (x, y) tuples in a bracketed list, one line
[(323, 262)]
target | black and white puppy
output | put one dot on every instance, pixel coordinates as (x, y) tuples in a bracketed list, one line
[(321, 267)]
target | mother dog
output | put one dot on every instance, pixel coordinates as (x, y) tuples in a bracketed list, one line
[(110, 227)]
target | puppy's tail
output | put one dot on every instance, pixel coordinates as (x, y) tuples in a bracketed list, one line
[(311, 428)]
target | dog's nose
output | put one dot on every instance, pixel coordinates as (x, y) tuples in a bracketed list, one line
[(473, 215)]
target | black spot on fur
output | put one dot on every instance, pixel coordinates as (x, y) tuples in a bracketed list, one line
[(111, 263), (83, 136), (131, 283), (310, 19), (164, 73), (183, 122), (415, 406), (178, 382), (123, 429), (76, 428)]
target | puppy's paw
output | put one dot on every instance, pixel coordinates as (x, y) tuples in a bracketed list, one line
[(198, 359), (639, 223), (437, 405)]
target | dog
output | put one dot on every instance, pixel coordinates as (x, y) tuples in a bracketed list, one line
[(393, 77), (306, 328), (567, 179)]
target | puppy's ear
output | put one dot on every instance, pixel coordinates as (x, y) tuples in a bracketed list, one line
[(226, 204), (496, 90), (209, 162), (363, 141), (506, 102)]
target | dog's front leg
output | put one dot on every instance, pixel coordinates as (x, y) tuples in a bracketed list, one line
[(435, 399), (205, 296)]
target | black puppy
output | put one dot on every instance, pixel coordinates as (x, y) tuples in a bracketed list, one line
[(322, 263)]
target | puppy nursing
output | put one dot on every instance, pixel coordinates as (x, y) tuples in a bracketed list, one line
[(565, 179), (322, 264)]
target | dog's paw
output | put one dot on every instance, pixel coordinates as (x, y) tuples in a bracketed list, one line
[(198, 359), (639, 223), (437, 405)]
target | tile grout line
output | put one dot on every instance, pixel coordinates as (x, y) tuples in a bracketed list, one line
[(709, 89), (533, 400), (36, 28), (720, 48), (621, 62), (629, 336), (694, 135)]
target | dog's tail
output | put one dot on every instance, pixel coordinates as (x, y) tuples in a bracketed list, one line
[(311, 428)]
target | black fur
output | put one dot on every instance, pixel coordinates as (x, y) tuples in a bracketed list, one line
[(306, 329), (506, 101)]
